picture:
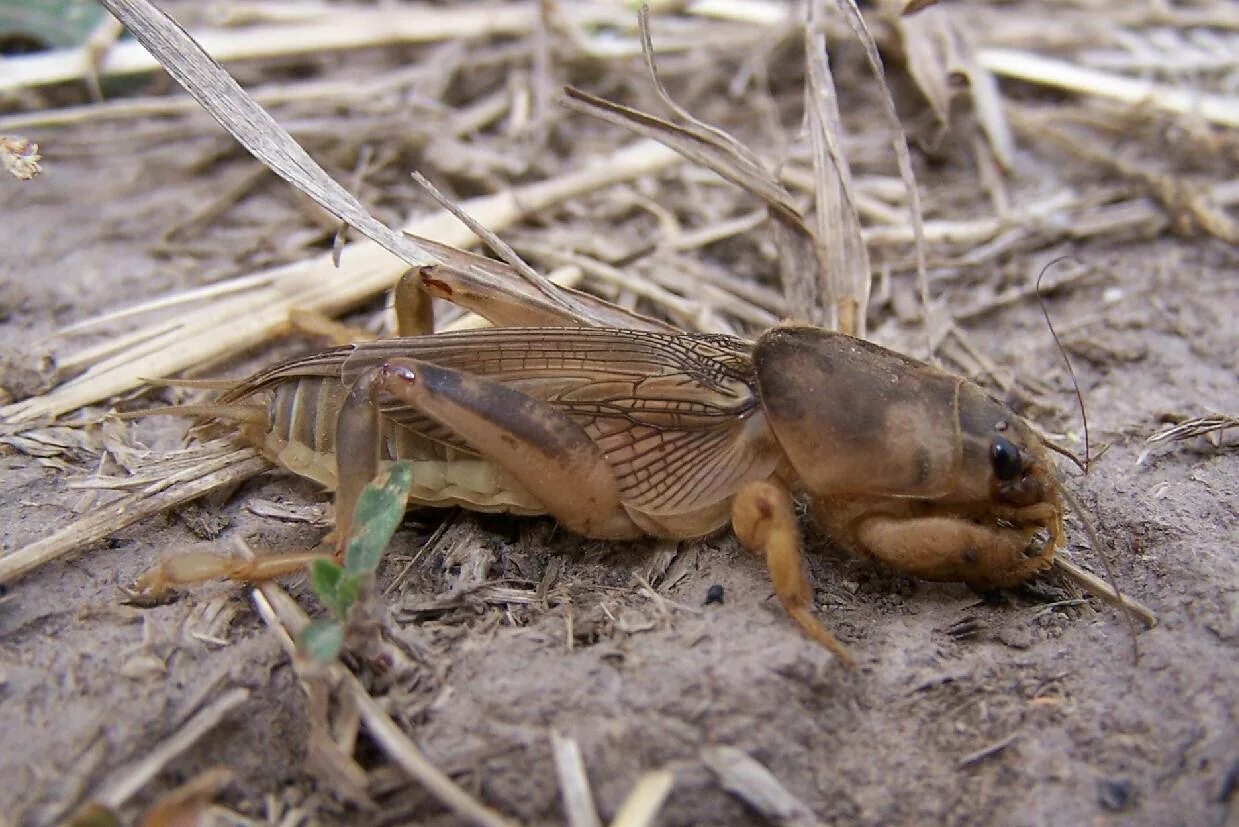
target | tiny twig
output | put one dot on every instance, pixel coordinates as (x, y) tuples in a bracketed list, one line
[(573, 783), (646, 799), (746, 778), (134, 777), (986, 752), (1096, 586)]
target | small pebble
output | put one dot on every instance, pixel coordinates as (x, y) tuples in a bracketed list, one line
[(714, 595), (1115, 794)]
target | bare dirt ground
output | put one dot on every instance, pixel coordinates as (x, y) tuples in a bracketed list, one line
[(1024, 710)]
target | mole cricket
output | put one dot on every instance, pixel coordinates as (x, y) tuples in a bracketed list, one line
[(619, 427)]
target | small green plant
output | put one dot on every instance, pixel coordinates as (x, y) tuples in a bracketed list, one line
[(379, 511)]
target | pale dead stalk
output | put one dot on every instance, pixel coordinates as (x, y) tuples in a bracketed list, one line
[(128, 780), (573, 782), (646, 799), (1061, 74)]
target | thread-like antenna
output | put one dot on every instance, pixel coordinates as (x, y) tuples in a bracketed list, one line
[(1131, 611), (1075, 383)]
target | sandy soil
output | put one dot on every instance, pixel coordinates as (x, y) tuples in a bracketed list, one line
[(1025, 710)]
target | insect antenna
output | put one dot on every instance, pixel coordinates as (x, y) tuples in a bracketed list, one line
[(1107, 589), (1075, 383), (1061, 451)]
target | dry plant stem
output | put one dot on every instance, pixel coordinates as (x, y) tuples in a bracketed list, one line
[(207, 82), (900, 144), (646, 799), (1131, 613), (209, 291), (717, 136), (670, 303), (1034, 68), (114, 793), (763, 12), (339, 29), (1093, 584), (1197, 426), (573, 783), (987, 751), (926, 39), (1179, 196), (249, 318), (285, 618), (845, 275), (231, 465), (757, 787), (500, 247), (987, 103), (939, 51), (722, 155), (268, 95)]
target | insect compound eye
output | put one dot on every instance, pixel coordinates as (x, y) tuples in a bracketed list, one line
[(1005, 458)]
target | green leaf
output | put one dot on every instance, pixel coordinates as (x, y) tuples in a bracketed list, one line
[(380, 508), (321, 640), (325, 579), (347, 591)]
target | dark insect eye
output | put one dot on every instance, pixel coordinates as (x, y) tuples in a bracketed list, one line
[(1005, 458)]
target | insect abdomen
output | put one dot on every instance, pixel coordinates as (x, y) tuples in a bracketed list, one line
[(301, 438)]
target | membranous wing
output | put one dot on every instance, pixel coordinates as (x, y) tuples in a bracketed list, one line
[(676, 415)]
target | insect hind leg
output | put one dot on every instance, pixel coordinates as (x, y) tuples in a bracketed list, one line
[(543, 449)]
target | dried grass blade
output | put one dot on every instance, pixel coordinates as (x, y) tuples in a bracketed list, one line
[(646, 799), (900, 143), (332, 29), (701, 146), (251, 317), (574, 783), (1197, 426), (990, 112), (1093, 584), (216, 91), (844, 274), (547, 291), (926, 40), (226, 467), (1186, 201), (695, 146), (757, 787), (711, 134), (1046, 71), (939, 55), (472, 281), (133, 778)]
